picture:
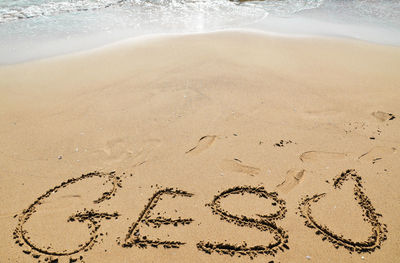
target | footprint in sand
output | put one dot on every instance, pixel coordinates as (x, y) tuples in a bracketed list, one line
[(377, 153), (119, 149), (383, 116), (293, 178), (203, 143), (116, 150), (237, 166), (322, 156)]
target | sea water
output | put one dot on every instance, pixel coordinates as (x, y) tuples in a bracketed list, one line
[(31, 29)]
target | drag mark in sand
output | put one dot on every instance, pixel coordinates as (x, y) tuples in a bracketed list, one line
[(204, 143), (92, 217), (379, 230), (133, 237), (265, 223)]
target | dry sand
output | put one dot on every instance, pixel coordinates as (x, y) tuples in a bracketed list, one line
[(203, 114)]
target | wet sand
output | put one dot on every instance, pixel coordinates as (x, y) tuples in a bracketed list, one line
[(223, 147)]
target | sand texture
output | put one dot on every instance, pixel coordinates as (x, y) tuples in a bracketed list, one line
[(226, 147)]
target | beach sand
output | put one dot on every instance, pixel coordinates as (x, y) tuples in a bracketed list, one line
[(226, 147)]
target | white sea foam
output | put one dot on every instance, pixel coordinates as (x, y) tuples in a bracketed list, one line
[(11, 10), (14, 10)]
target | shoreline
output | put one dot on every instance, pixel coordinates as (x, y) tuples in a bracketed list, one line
[(25, 51)]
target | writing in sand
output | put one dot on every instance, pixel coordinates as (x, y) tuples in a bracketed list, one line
[(134, 238)]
